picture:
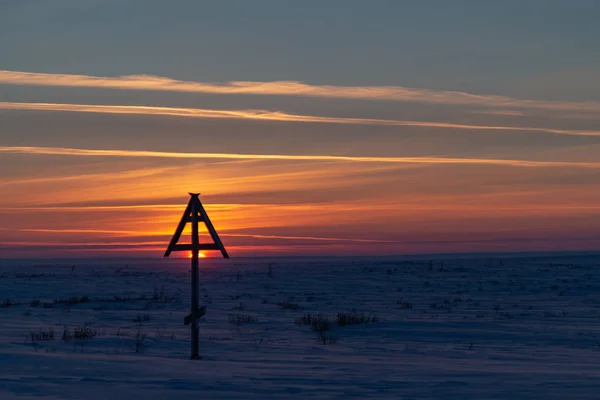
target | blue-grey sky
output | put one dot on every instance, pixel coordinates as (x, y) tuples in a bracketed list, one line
[(501, 47), (327, 127)]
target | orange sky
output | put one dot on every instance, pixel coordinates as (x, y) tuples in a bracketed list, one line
[(122, 205), (322, 128)]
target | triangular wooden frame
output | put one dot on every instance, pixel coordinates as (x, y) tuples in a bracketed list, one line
[(195, 213)]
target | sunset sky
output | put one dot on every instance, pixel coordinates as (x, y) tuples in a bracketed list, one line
[(310, 127)]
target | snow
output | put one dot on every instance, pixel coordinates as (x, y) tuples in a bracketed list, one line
[(484, 328)]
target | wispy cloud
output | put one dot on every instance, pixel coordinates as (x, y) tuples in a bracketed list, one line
[(315, 238), (264, 115), (288, 88), (151, 207), (166, 233), (509, 113), (62, 151), (102, 231), (317, 207), (132, 174)]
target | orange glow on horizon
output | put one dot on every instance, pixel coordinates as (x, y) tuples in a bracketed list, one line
[(290, 206)]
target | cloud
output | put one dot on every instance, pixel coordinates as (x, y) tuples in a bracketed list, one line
[(264, 115), (62, 151), (132, 174), (102, 231), (315, 238), (110, 244), (288, 88), (510, 113), (158, 234), (150, 207), (312, 208)]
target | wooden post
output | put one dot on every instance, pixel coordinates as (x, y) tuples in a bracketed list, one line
[(195, 304), (195, 213)]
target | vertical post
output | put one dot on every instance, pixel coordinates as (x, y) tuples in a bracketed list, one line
[(195, 214), (195, 244)]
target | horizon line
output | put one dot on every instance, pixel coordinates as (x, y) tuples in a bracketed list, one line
[(525, 253)]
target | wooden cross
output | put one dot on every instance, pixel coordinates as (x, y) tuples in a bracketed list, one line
[(194, 213)]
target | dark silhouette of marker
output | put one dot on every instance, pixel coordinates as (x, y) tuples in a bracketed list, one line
[(194, 213)]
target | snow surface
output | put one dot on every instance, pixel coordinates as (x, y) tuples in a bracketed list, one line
[(482, 328)]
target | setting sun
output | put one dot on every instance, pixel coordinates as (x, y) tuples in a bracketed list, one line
[(200, 255)]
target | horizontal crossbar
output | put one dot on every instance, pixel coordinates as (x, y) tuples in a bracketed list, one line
[(191, 247)]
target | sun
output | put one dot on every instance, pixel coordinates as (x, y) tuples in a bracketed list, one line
[(200, 255)]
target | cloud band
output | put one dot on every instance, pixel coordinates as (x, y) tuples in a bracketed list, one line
[(63, 151), (289, 88)]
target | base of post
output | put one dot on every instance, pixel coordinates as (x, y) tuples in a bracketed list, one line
[(195, 357)]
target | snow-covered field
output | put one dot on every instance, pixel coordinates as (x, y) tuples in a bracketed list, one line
[(487, 328)]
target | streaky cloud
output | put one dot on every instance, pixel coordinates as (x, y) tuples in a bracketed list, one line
[(128, 207), (510, 113), (63, 151), (225, 234), (265, 115), (315, 238), (130, 174), (288, 88), (48, 230), (308, 207)]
